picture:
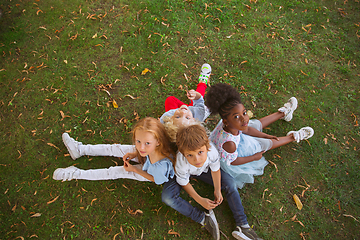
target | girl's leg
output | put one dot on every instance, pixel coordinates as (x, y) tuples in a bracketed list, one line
[(201, 88), (67, 174), (302, 134), (282, 141), (77, 149), (112, 150), (266, 121), (285, 112), (172, 103)]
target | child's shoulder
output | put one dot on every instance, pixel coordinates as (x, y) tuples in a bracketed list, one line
[(213, 153)]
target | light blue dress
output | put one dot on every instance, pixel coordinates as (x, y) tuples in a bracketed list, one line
[(246, 146), (161, 170)]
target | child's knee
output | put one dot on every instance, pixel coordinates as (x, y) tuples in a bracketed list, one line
[(168, 198), (230, 186)]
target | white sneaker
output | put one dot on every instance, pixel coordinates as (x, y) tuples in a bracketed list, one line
[(71, 145), (289, 109), (205, 73), (66, 174), (245, 234), (302, 134), (211, 224)]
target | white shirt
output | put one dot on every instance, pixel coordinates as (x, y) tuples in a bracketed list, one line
[(183, 169)]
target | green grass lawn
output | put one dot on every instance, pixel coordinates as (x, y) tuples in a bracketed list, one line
[(57, 58)]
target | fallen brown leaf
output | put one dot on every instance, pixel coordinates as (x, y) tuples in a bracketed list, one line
[(298, 202), (172, 232), (36, 215), (51, 201), (52, 145)]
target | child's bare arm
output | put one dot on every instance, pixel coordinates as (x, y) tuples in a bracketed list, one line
[(243, 160), (137, 169), (216, 176), (256, 133), (205, 202)]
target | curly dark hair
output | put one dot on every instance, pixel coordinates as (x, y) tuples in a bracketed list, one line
[(221, 98)]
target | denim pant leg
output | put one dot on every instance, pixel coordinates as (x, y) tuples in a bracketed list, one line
[(170, 196), (232, 195)]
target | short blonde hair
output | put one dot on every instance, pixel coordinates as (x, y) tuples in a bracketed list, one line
[(172, 129), (192, 138)]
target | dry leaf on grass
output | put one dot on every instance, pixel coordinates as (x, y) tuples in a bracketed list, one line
[(63, 115), (145, 71), (36, 215), (298, 202), (172, 232), (114, 104), (51, 201), (128, 95), (52, 145)]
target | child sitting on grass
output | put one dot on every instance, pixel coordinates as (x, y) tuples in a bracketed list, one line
[(198, 158), (153, 151), (240, 141), (177, 114)]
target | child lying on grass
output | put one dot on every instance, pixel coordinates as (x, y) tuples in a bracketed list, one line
[(177, 114)]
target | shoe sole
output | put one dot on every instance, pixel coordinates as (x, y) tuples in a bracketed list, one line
[(243, 237)]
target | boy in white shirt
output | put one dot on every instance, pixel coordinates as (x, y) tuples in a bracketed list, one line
[(198, 158)]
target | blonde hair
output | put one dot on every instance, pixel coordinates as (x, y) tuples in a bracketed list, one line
[(172, 129), (154, 127), (192, 138)]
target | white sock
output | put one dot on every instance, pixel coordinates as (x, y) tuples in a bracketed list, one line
[(203, 221), (245, 226)]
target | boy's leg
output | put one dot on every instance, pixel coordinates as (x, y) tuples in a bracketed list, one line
[(172, 103), (232, 195), (67, 174), (171, 197)]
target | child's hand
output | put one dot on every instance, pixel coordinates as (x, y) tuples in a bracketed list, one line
[(258, 155), (218, 197), (128, 156), (273, 137), (193, 95), (208, 204), (128, 167)]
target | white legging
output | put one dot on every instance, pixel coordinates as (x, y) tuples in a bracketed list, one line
[(114, 150)]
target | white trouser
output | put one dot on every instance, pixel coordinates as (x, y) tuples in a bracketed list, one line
[(113, 150), (110, 173)]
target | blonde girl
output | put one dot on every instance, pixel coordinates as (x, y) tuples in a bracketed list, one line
[(152, 151)]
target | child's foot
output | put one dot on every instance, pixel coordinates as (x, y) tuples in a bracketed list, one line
[(245, 234), (211, 224), (302, 134), (205, 73), (72, 146), (66, 174), (289, 108)]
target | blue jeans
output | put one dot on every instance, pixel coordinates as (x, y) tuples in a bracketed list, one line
[(171, 191)]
